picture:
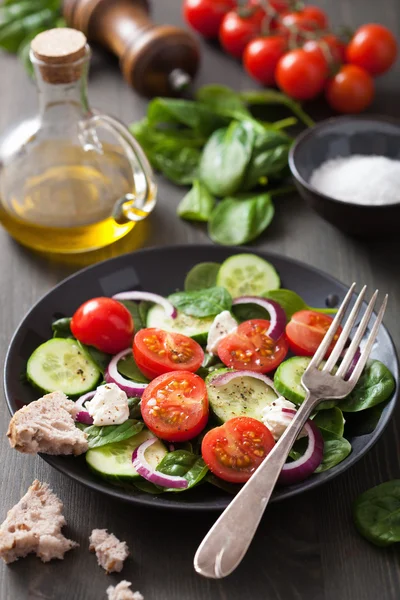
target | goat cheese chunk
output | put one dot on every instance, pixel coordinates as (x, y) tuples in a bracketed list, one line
[(276, 420), (109, 405), (223, 325)]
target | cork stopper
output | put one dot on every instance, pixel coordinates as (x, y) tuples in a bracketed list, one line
[(60, 54)]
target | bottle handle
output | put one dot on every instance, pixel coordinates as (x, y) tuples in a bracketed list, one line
[(132, 206)]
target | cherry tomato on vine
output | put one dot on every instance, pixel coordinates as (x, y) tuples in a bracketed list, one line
[(315, 15), (351, 90), (300, 75), (238, 28), (261, 57), (205, 16), (374, 48), (328, 48), (280, 5)]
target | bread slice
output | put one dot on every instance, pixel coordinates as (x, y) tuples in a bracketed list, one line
[(47, 425), (110, 552), (122, 592), (34, 525)]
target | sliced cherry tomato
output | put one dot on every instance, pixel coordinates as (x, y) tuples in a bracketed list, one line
[(174, 406), (157, 351), (305, 331), (238, 28), (103, 323), (261, 57), (328, 48), (300, 75), (351, 90), (374, 48), (250, 348), (235, 450), (205, 16)]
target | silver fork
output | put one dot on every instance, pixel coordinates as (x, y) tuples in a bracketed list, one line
[(228, 540)]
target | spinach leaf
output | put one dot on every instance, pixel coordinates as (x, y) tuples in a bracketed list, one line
[(330, 420), (375, 385), (134, 408), (194, 115), (269, 158), (198, 203), (245, 312), (151, 137), (100, 359), (15, 31), (210, 363), (109, 434), (202, 303), (146, 486), (336, 449), (177, 162), (202, 276), (225, 158), (183, 464), (134, 309), (62, 328), (128, 368), (224, 101), (364, 423), (238, 221), (292, 302), (377, 513), (275, 97)]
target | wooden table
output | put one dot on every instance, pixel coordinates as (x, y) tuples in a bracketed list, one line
[(307, 547)]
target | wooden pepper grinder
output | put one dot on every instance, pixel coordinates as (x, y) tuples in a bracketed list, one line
[(154, 59)]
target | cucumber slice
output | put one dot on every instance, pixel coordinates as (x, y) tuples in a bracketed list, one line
[(242, 397), (287, 380), (247, 275), (61, 364), (190, 326), (114, 461)]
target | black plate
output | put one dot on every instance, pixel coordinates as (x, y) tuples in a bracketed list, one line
[(163, 270)]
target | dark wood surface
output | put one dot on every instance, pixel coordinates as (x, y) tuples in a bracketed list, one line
[(306, 548)]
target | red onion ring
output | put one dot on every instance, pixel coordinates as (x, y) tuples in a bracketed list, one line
[(303, 467), (145, 470), (149, 297), (81, 401), (276, 313), (353, 363), (112, 375), (227, 377), (84, 417)]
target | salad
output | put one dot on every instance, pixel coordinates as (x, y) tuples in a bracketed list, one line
[(199, 386)]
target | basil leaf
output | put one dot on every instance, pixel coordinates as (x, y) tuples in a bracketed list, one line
[(330, 420), (375, 385), (202, 303), (178, 163), (275, 97), (109, 434), (100, 359), (62, 328), (194, 115), (197, 205), (223, 100), (128, 368), (202, 276), (336, 449), (237, 221), (377, 513), (292, 302), (182, 463), (134, 408), (225, 158)]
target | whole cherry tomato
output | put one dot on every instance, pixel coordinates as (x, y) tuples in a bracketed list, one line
[(261, 57), (315, 15), (300, 75), (374, 48), (351, 90), (238, 28), (205, 16), (328, 48)]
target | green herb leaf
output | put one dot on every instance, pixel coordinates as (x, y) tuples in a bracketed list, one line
[(134, 309), (182, 463), (107, 434), (62, 328), (223, 100), (177, 162), (377, 513), (195, 115), (202, 303), (225, 158), (336, 449), (128, 368), (269, 158), (375, 385), (13, 33), (134, 408), (238, 221), (198, 203), (275, 97), (292, 302), (361, 424), (202, 276), (330, 420)]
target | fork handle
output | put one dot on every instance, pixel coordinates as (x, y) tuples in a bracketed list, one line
[(228, 540)]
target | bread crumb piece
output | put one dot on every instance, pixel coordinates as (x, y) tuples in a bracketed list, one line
[(122, 592), (110, 552)]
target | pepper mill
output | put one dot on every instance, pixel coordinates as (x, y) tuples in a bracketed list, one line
[(154, 59)]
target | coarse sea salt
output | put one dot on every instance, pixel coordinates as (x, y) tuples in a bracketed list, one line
[(359, 179)]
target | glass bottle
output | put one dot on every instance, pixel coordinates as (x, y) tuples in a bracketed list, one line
[(71, 179)]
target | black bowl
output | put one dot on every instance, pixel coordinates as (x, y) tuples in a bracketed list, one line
[(344, 136), (163, 270)]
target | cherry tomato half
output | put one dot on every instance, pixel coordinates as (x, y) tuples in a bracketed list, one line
[(250, 348), (239, 28), (157, 351), (174, 406), (374, 48), (205, 16), (306, 330), (300, 75), (103, 323), (235, 450), (351, 90), (261, 57)]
